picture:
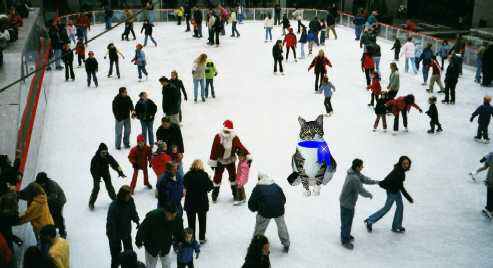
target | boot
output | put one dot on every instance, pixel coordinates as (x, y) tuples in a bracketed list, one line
[(215, 193), (234, 191)]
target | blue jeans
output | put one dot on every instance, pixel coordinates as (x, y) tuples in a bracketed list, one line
[(140, 70), (399, 211), (302, 48), (413, 64), (196, 84), (268, 34), (84, 31), (479, 68), (152, 39), (425, 70), (107, 22), (58, 57), (179, 171), (377, 63), (347, 216), (358, 29), (147, 131), (119, 126)]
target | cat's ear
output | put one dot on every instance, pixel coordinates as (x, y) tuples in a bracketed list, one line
[(320, 120), (301, 121)]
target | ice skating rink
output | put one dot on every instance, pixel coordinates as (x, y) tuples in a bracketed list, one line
[(444, 227)]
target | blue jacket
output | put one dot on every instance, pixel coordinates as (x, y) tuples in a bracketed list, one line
[(327, 89), (359, 20), (443, 51), (185, 251), (303, 38), (169, 190), (426, 56), (311, 36), (485, 112), (372, 19), (267, 199), (140, 57)]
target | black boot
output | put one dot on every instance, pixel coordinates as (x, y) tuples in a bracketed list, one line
[(234, 191), (215, 193)]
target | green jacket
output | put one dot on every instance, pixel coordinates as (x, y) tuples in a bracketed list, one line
[(210, 70)]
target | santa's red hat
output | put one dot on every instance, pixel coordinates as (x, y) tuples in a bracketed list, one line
[(228, 125), (140, 138)]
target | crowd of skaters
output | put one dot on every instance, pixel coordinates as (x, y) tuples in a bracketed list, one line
[(163, 228)]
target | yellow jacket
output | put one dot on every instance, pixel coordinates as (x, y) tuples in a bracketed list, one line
[(60, 253), (180, 12), (37, 213)]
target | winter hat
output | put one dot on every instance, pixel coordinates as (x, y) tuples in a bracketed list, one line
[(139, 46), (228, 125), (102, 147), (140, 138), (41, 178), (262, 175), (91, 53)]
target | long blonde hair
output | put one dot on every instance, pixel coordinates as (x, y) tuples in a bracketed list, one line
[(201, 59), (197, 164)]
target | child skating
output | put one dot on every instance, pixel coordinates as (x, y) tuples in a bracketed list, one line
[(328, 89), (485, 112), (91, 69), (303, 40), (184, 250), (433, 114), (80, 50), (380, 112), (290, 42), (147, 28), (210, 73), (242, 173), (375, 88)]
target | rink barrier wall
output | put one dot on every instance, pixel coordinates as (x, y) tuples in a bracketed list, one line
[(388, 32)]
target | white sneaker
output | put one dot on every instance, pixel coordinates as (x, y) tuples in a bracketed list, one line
[(316, 190), (306, 193), (236, 203), (406, 130)]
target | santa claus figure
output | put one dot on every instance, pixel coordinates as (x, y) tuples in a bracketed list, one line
[(223, 156)]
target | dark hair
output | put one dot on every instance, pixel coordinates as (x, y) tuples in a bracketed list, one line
[(188, 231), (402, 159), (409, 39), (121, 90), (165, 119), (123, 192), (255, 248), (128, 259), (170, 164), (409, 99), (356, 163), (41, 178), (33, 258), (169, 207), (48, 230)]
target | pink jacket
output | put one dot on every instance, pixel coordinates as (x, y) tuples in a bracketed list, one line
[(242, 173), (409, 50)]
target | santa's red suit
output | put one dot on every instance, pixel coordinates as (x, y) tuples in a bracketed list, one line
[(223, 155)]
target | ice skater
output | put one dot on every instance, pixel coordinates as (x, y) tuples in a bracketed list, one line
[(140, 157), (319, 64), (328, 89), (433, 114), (147, 28), (352, 188), (91, 69), (396, 48), (394, 185), (268, 25), (303, 40), (68, 60), (198, 74), (487, 161), (290, 42), (242, 172), (80, 50), (375, 88), (277, 55), (485, 112), (140, 61), (402, 105), (113, 52), (381, 112), (210, 74)]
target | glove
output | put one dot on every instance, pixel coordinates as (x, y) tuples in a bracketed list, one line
[(121, 175), (371, 197), (196, 257), (138, 244), (138, 225), (482, 160), (17, 241), (471, 119), (411, 200), (104, 57), (250, 163), (150, 164)]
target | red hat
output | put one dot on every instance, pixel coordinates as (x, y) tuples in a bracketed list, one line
[(139, 46), (140, 138), (228, 125)]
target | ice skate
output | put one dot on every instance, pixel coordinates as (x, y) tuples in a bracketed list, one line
[(316, 190), (399, 230), (473, 175), (374, 130), (406, 130), (487, 213), (306, 193), (348, 245), (369, 227)]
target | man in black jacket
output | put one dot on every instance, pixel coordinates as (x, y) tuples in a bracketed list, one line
[(451, 79), (68, 60), (157, 233), (197, 15), (394, 184), (315, 27), (188, 15), (121, 213), (100, 164), (145, 110), (170, 134), (56, 201), (171, 100), (268, 201), (122, 108), (91, 69)]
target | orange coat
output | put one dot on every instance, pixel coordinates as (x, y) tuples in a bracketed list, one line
[(37, 213), (60, 253)]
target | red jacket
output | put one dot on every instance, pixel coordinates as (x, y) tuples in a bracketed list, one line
[(224, 149), (80, 50), (367, 62), (84, 21), (375, 87), (159, 161), (140, 156), (435, 67), (319, 63), (5, 252), (399, 104), (290, 39)]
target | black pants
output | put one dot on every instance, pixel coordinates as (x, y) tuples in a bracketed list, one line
[(81, 59), (57, 214), (396, 54), (179, 20), (433, 123), (404, 120), (183, 265), (372, 100), (391, 95), (328, 105), (450, 91), (318, 79), (69, 70), (91, 75), (191, 216), (107, 184), (187, 21), (211, 83), (443, 62), (287, 52), (299, 26), (234, 30), (482, 131), (129, 29), (216, 36), (368, 76), (116, 249), (280, 65), (114, 61), (1, 57), (277, 18), (489, 199)]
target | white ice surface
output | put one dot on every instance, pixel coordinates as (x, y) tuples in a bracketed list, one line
[(444, 226)]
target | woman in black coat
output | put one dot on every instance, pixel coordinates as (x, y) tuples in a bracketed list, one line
[(121, 213), (277, 55), (258, 253), (197, 184)]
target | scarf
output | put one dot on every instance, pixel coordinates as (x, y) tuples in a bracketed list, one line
[(323, 152)]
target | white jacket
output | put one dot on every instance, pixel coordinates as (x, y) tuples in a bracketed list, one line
[(268, 23), (408, 49), (298, 14)]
